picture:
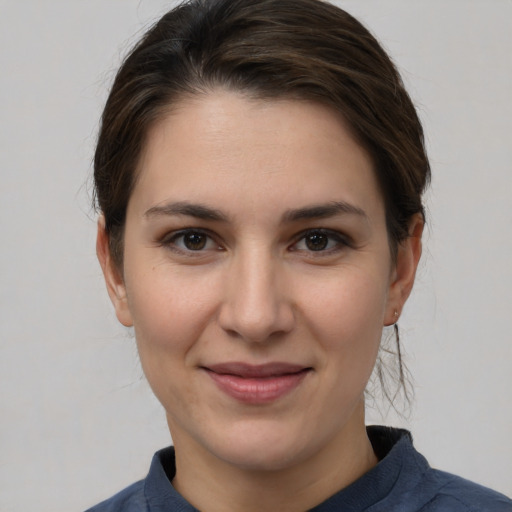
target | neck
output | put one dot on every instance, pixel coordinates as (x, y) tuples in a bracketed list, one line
[(211, 484)]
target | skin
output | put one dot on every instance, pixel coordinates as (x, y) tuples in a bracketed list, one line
[(257, 293)]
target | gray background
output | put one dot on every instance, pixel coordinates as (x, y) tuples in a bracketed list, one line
[(77, 419)]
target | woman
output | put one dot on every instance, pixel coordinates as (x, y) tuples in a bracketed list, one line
[(259, 172)]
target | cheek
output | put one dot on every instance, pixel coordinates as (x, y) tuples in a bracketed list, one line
[(349, 308), (169, 315), (346, 318), (170, 309)]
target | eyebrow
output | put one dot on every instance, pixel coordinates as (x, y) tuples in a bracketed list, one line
[(185, 208), (199, 211), (323, 211)]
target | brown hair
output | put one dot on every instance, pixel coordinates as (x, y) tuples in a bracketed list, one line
[(303, 49)]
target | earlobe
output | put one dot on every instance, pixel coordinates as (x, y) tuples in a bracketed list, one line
[(407, 259), (113, 278)]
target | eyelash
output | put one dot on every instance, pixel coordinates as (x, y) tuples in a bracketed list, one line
[(170, 241), (340, 241)]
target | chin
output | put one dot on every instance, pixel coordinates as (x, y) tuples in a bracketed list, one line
[(260, 458), (260, 447)]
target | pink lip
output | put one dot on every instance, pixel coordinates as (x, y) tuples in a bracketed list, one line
[(256, 384)]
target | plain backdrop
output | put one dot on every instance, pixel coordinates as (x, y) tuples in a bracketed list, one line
[(78, 421)]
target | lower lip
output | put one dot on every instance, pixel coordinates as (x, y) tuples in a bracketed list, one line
[(261, 390)]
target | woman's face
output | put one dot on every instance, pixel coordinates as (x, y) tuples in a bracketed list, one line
[(257, 276)]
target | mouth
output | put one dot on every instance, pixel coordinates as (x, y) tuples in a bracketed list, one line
[(257, 384)]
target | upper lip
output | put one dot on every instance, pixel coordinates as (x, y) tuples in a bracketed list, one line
[(256, 370)]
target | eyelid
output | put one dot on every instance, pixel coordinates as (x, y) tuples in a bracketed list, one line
[(168, 240), (342, 240)]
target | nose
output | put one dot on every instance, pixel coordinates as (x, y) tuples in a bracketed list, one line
[(256, 306)]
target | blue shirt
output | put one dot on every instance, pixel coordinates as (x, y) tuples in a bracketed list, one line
[(402, 481)]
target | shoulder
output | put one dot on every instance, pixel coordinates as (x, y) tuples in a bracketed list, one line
[(456, 494), (130, 499), (410, 484), (155, 488)]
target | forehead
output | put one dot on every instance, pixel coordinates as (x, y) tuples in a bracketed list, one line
[(227, 149)]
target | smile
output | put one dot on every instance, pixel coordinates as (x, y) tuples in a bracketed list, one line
[(257, 384)]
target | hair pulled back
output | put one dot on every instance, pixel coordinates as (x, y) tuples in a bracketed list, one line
[(268, 49)]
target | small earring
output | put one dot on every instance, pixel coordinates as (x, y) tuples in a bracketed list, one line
[(396, 316)]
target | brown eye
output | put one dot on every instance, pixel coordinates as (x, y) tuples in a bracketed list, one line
[(194, 241), (316, 241), (190, 240), (322, 241)]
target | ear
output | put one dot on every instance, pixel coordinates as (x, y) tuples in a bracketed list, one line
[(113, 277), (404, 271)]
